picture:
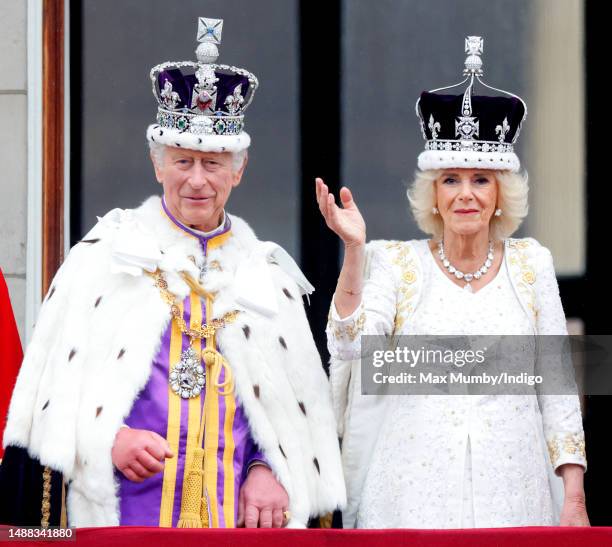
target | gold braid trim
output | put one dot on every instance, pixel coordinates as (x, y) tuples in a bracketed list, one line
[(64, 514), (46, 498)]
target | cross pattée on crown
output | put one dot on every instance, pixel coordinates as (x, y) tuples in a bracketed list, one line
[(209, 30), (474, 45)]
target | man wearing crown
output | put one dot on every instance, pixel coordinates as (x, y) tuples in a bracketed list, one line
[(172, 379)]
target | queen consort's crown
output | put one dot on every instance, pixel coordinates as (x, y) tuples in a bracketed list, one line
[(467, 130)]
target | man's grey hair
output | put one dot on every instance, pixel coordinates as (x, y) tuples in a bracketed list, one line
[(158, 150)]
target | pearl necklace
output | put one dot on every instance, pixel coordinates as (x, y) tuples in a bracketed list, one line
[(468, 277)]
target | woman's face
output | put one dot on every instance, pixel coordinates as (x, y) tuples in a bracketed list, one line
[(466, 199)]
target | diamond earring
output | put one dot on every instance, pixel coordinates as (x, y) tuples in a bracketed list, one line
[(434, 210), (498, 212)]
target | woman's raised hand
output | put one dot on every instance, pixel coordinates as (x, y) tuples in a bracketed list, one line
[(347, 221)]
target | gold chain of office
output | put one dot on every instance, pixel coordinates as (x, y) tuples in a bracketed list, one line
[(206, 330)]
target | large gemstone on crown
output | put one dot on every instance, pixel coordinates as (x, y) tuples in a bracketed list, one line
[(182, 123), (220, 127), (204, 101)]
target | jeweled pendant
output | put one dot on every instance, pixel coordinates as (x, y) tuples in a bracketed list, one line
[(468, 288), (188, 376)]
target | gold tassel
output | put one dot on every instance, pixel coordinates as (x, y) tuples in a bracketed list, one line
[(215, 362), (204, 515), (193, 504)]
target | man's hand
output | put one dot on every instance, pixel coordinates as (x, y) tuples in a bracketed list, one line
[(262, 500), (139, 453)]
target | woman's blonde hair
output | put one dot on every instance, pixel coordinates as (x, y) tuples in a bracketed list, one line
[(512, 193)]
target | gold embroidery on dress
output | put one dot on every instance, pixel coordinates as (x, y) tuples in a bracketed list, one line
[(524, 274), (408, 276), (574, 444), (553, 451), (520, 244), (351, 330), (570, 443)]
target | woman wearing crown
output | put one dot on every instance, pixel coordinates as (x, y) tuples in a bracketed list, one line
[(453, 461)]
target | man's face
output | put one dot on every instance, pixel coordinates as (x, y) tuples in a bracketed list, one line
[(197, 185)]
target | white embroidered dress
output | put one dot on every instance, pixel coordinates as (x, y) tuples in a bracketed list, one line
[(451, 461)]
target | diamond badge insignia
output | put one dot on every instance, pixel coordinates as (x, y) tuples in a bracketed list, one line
[(188, 376)]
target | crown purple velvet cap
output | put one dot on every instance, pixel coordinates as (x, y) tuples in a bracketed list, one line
[(470, 131), (201, 104), (184, 83)]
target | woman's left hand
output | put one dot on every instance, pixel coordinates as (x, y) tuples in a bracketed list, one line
[(574, 511)]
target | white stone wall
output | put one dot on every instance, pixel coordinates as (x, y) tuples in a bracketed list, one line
[(13, 152), (555, 133)]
